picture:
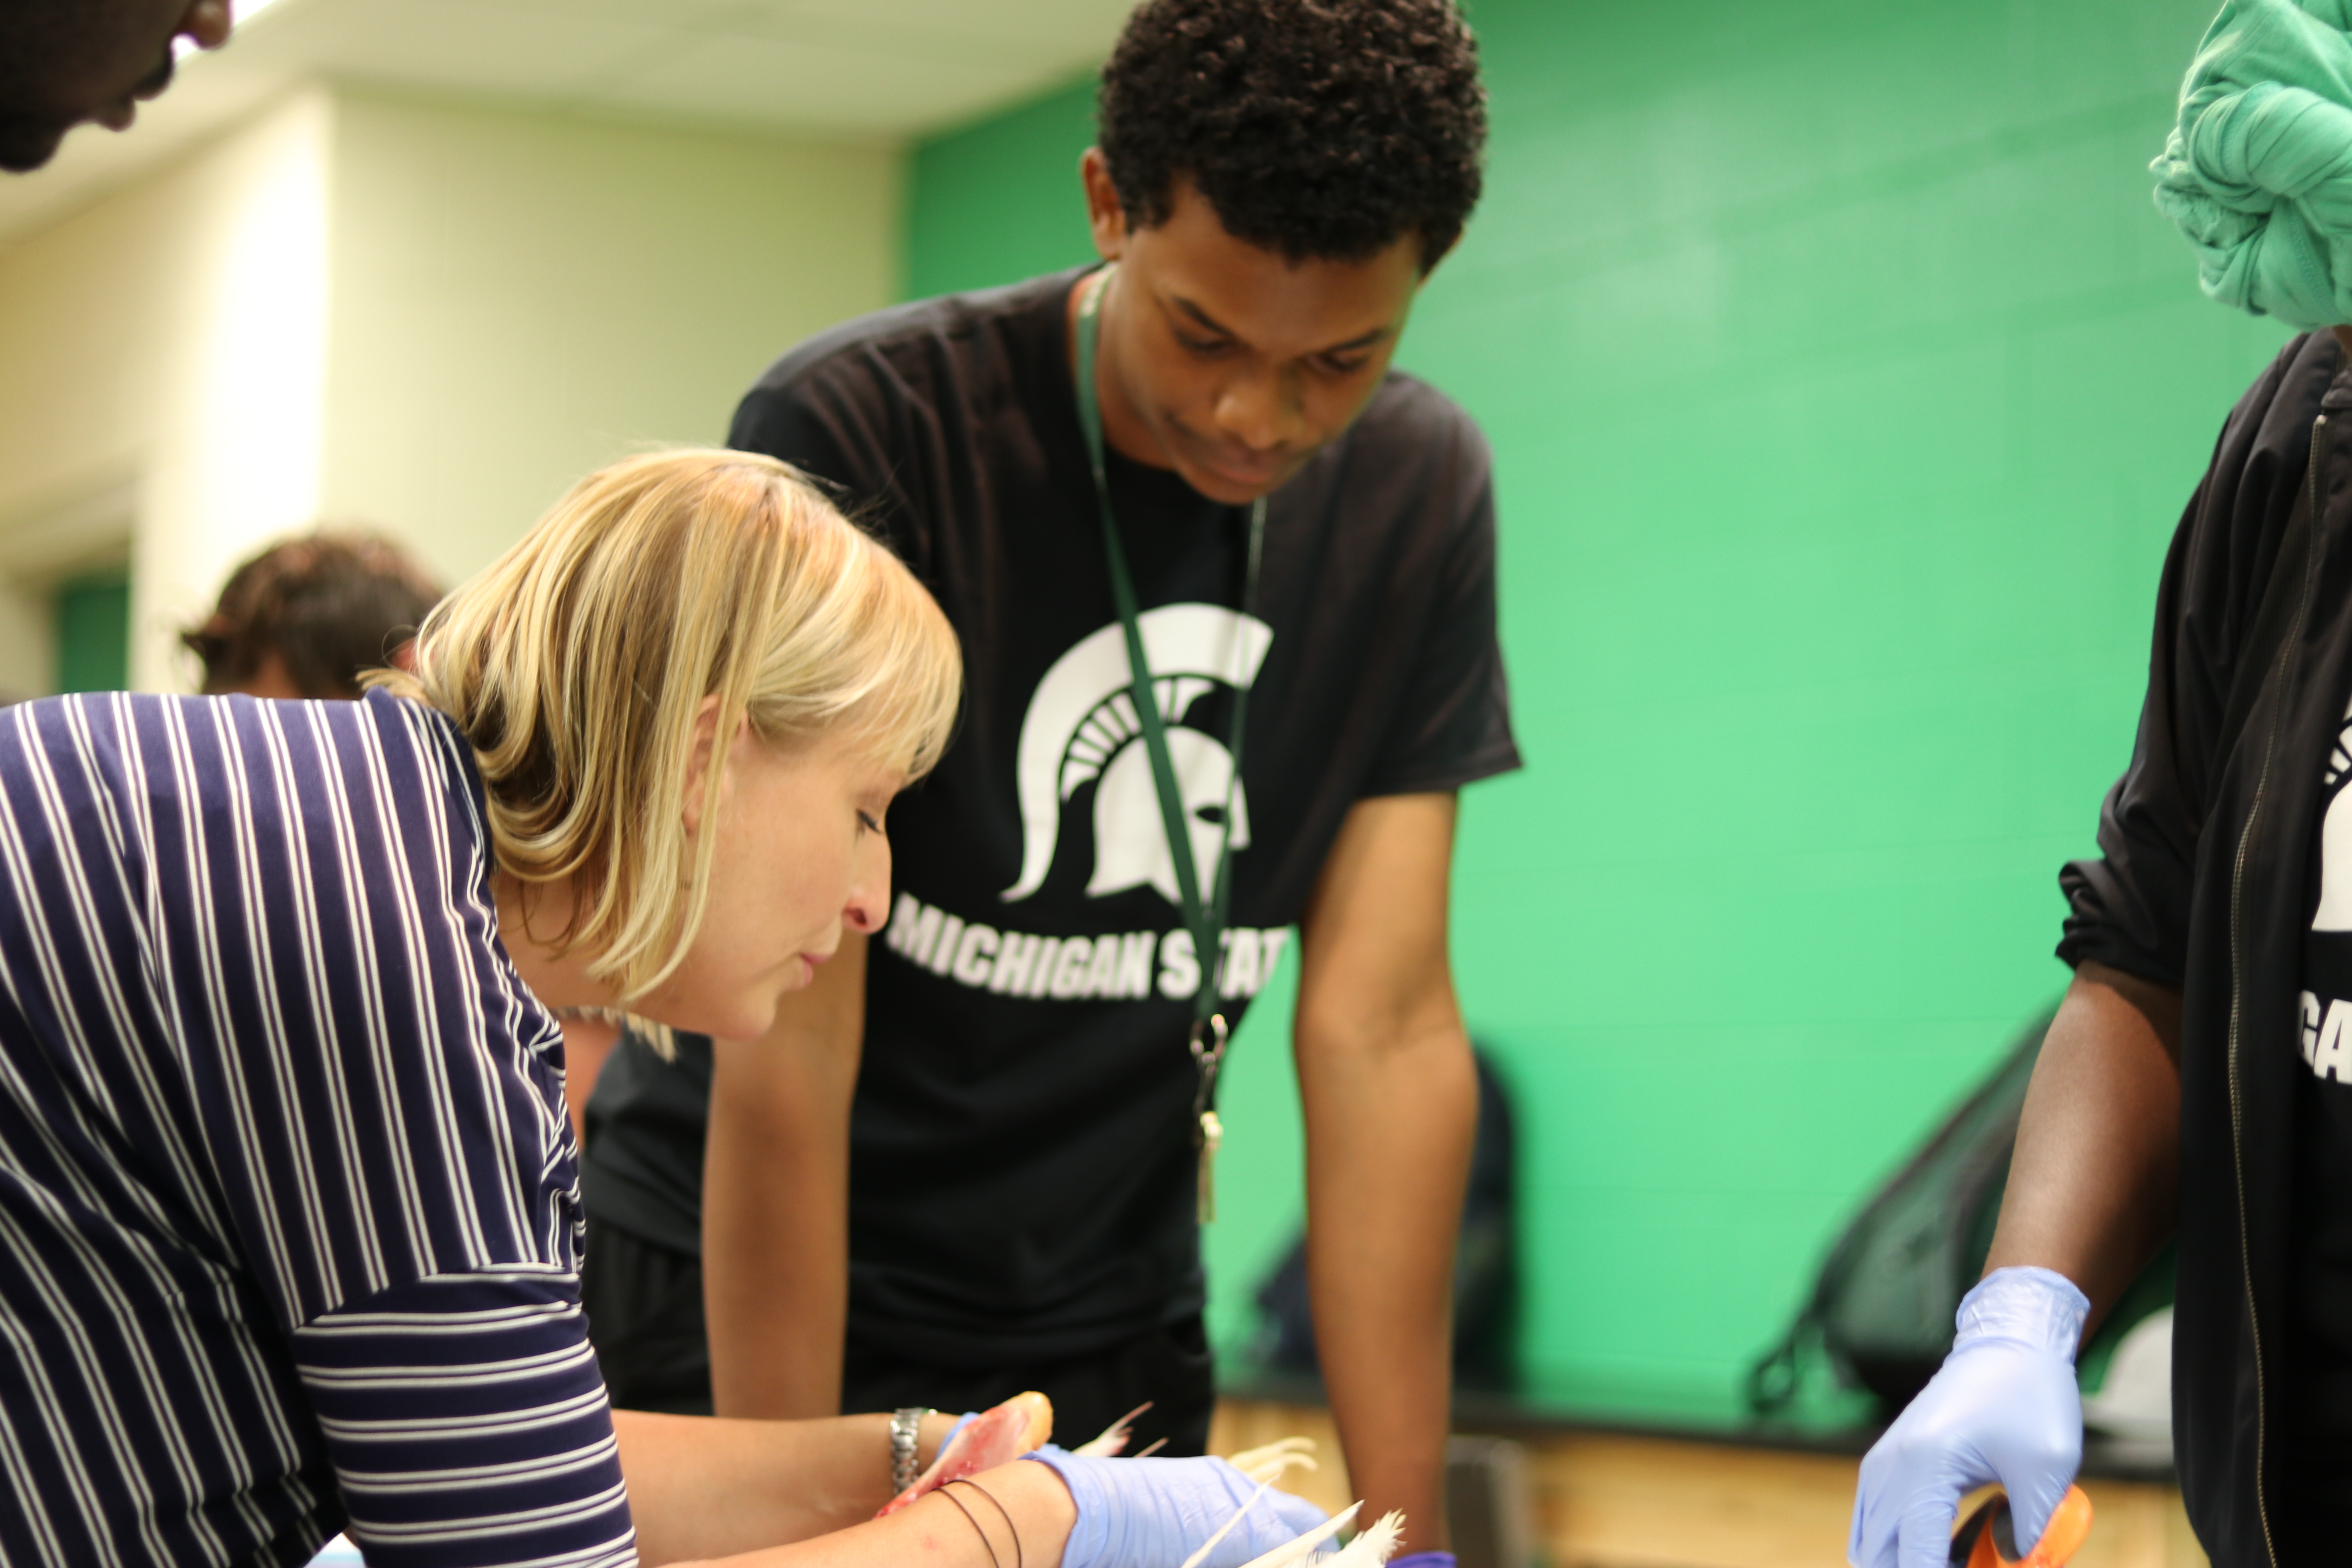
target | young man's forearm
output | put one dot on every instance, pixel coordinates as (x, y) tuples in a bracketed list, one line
[(775, 1202), (1392, 1105), (1389, 1137), (2094, 1184)]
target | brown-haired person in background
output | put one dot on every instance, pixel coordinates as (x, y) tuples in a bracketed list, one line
[(305, 618)]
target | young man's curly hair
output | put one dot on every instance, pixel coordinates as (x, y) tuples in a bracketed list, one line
[(1324, 130)]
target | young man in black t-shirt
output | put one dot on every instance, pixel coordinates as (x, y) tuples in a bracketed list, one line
[(1014, 1186)]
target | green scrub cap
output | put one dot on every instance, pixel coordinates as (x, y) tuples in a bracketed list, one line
[(2258, 172)]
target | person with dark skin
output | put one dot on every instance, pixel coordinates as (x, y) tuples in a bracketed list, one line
[(988, 1113), (64, 63), (2196, 1081)]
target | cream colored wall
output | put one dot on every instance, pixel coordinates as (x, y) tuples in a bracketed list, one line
[(237, 457), (160, 364), (431, 316), (519, 297)]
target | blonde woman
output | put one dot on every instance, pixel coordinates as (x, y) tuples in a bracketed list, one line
[(288, 1219)]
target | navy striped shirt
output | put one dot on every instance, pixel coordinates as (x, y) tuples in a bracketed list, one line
[(289, 1223)]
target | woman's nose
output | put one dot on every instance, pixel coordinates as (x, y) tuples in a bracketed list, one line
[(869, 895)]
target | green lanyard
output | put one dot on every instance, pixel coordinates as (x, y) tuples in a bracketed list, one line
[(1205, 917)]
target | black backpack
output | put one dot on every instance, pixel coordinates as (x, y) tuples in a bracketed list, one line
[(1881, 1308)]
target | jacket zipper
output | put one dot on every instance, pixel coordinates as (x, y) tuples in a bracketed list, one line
[(2237, 977)]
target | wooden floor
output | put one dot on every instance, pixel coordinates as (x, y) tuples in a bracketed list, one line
[(1603, 1501)]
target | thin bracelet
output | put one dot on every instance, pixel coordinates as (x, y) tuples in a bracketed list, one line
[(992, 1563), (1014, 1529)]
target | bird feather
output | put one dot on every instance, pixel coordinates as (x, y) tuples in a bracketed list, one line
[(1299, 1550)]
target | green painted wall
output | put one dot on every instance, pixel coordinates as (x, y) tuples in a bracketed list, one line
[(1000, 200), (92, 618), (1845, 387)]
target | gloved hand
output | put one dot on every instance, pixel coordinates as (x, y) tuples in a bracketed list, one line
[(2004, 1407), (1154, 1514), (1423, 1560)]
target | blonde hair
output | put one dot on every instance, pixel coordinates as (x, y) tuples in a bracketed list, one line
[(577, 663)]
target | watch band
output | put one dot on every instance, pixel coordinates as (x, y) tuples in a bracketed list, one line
[(906, 1429)]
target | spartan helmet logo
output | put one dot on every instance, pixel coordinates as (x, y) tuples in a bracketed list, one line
[(1131, 838), (1082, 725), (2334, 912)]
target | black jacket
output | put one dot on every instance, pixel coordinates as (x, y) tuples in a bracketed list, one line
[(2206, 843)]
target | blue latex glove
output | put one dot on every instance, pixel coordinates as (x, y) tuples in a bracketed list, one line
[(1154, 1514), (1423, 1560), (2004, 1407)]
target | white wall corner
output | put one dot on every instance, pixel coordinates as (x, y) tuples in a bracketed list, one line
[(519, 296), (236, 456)]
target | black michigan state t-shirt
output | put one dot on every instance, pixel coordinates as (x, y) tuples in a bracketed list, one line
[(1022, 1175)]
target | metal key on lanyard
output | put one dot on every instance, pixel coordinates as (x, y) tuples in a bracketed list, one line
[(1204, 917), (1208, 1131)]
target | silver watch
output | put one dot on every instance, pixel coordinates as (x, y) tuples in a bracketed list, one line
[(906, 1430)]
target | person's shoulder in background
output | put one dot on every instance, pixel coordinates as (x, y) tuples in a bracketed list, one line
[(895, 411), (1410, 421), (1413, 465), (896, 349)]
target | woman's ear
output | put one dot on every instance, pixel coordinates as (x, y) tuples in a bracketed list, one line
[(703, 753)]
